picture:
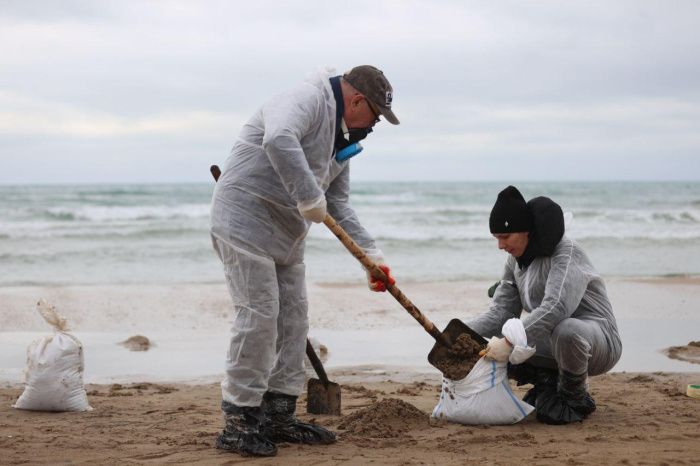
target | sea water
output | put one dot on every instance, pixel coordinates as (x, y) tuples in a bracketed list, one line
[(145, 233), (158, 234)]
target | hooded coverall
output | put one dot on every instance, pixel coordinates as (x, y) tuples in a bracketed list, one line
[(569, 317), (283, 160)]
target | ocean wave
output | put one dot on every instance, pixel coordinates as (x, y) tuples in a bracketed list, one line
[(117, 235), (474, 214), (59, 214), (121, 213), (112, 192), (676, 217), (660, 238), (639, 216), (96, 254)]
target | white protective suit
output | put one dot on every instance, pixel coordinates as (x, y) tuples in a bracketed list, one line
[(570, 319), (282, 161)]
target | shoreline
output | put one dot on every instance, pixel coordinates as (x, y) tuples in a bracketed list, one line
[(147, 306), (688, 278), (189, 325)]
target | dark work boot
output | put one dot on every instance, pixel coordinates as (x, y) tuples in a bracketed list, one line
[(573, 388), (541, 378), (242, 432), (281, 425), (569, 402)]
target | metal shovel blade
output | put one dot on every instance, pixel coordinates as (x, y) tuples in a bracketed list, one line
[(454, 329), (323, 398)]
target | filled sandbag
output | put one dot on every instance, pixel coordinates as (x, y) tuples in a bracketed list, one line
[(484, 396), (54, 372)]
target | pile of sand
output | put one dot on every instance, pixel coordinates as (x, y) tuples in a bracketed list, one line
[(388, 418)]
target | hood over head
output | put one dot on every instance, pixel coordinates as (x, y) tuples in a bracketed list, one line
[(547, 229)]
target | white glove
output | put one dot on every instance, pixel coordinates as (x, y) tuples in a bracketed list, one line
[(314, 210), (514, 331), (498, 349)]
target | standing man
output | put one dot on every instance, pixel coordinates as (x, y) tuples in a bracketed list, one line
[(288, 168), (568, 317)]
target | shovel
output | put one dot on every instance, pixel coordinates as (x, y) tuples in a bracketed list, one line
[(323, 396), (445, 339)]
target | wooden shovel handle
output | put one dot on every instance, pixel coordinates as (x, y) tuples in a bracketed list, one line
[(379, 274), (316, 363)]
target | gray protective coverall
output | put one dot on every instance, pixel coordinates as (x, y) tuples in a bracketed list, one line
[(282, 160), (568, 318)]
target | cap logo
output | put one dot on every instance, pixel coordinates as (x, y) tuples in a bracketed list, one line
[(506, 224), (388, 98)]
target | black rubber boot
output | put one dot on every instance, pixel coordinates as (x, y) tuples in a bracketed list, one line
[(569, 402), (573, 387), (541, 378), (242, 432), (281, 425)]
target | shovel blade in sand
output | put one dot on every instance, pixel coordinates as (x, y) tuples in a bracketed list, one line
[(323, 398)]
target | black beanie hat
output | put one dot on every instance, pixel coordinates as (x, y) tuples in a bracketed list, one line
[(510, 214)]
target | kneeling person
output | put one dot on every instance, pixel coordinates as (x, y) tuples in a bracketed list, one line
[(568, 317)]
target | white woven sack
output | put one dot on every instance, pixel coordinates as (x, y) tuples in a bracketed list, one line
[(482, 397), (54, 373)]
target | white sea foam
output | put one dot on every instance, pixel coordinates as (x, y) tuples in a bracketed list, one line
[(121, 213)]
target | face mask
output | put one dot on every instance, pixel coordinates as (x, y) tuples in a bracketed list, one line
[(358, 134), (353, 135)]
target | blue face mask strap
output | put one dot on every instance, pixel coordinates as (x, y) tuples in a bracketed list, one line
[(348, 152)]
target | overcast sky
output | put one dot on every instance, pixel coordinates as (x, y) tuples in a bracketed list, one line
[(140, 91)]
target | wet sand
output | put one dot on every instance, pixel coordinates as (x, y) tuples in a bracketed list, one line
[(641, 419), (187, 325)]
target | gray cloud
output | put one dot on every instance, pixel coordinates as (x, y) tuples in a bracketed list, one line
[(485, 90)]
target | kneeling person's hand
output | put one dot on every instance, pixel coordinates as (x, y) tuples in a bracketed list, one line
[(499, 349)]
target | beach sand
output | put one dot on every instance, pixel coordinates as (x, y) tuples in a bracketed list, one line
[(376, 352), (641, 419)]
